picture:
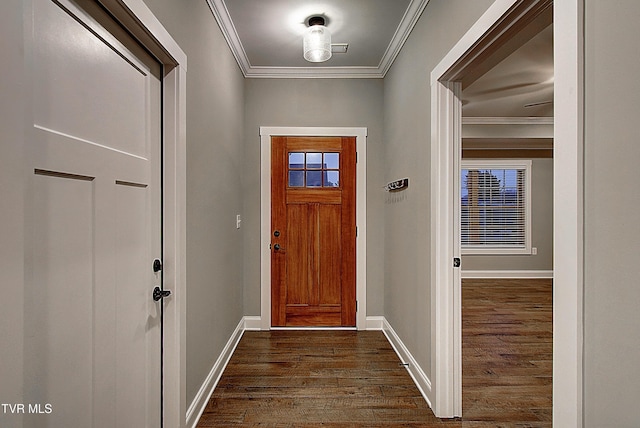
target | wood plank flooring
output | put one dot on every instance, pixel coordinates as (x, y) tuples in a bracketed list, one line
[(507, 352), (354, 379), (315, 378)]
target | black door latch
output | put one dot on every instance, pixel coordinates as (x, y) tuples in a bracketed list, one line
[(160, 294)]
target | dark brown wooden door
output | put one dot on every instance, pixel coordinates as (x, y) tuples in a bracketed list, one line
[(313, 236)]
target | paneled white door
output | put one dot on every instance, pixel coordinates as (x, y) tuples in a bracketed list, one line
[(93, 223)]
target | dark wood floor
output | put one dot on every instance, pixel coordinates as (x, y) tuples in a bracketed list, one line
[(349, 379), (507, 352)]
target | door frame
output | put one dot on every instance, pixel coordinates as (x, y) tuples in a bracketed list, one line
[(446, 355), (266, 132), (136, 17)]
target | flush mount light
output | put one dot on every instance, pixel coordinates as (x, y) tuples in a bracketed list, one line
[(317, 41)]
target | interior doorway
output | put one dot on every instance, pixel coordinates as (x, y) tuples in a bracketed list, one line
[(494, 37), (506, 180)]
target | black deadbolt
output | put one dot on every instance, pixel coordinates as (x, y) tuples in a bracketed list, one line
[(276, 233), (157, 265)]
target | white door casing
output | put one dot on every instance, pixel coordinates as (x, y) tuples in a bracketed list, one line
[(93, 207)]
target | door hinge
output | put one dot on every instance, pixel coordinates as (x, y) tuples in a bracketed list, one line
[(356, 306), (456, 262), (356, 231), (356, 157)]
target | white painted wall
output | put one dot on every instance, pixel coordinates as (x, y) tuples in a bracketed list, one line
[(612, 202), (407, 136), (215, 104)]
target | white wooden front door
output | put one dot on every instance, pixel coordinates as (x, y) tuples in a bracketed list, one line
[(93, 225)]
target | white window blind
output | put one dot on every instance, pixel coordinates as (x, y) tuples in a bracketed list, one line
[(495, 207)]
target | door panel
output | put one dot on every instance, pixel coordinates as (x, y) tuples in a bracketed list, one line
[(93, 205), (329, 252), (137, 315), (65, 72), (63, 283), (297, 253), (313, 215)]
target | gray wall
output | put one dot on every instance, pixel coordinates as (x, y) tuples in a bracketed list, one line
[(612, 202), (541, 228), (313, 102), (407, 136), (215, 97), (11, 208)]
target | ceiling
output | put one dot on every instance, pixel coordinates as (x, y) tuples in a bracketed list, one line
[(265, 37), (521, 85)]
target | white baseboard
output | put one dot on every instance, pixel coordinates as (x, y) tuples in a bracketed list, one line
[(417, 374), (204, 394), (512, 274), (375, 323), (253, 323)]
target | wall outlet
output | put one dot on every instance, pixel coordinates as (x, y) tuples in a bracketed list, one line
[(534, 251), (238, 221)]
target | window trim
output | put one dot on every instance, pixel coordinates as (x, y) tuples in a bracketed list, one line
[(524, 164)]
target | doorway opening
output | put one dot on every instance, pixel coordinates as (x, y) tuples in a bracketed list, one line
[(506, 233), (489, 37)]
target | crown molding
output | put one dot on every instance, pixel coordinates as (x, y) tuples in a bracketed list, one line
[(221, 13), (507, 120), (315, 72), (409, 20)]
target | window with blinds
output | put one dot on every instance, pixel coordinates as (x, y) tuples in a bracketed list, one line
[(495, 207)]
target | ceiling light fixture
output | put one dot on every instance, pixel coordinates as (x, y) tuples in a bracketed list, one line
[(317, 41)]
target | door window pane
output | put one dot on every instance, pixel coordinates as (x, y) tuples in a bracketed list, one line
[(331, 160), (296, 160), (314, 160), (332, 179), (296, 178), (314, 178)]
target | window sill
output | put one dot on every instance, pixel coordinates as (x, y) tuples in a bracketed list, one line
[(496, 251)]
